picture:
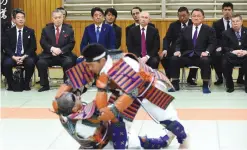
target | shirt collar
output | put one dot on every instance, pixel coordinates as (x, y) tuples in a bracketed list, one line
[(226, 20), (98, 26), (199, 26), (60, 27), (144, 28), (108, 65), (187, 23), (17, 29)]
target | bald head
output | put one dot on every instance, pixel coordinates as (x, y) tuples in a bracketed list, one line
[(144, 18)]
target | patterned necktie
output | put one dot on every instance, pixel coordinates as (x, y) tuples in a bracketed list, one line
[(97, 34), (228, 24), (19, 44), (57, 35), (238, 36), (143, 42)]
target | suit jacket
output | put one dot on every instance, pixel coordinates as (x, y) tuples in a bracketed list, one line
[(118, 33), (5, 26), (219, 28), (169, 41), (133, 25), (106, 38), (66, 40), (206, 41), (152, 41), (230, 41), (29, 42)]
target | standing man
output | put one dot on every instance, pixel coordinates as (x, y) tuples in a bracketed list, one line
[(20, 50), (221, 25), (193, 47), (144, 41), (110, 18), (98, 32), (234, 43), (169, 42), (57, 41), (135, 13)]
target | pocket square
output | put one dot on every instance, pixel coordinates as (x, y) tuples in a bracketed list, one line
[(28, 37), (65, 35)]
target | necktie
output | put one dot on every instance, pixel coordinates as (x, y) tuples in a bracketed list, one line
[(239, 38), (194, 41), (57, 35), (97, 34), (184, 25), (228, 24), (19, 44), (143, 42)]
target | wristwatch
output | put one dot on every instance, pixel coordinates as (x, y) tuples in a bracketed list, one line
[(208, 53)]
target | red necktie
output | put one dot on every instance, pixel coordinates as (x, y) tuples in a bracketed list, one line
[(57, 35), (144, 50)]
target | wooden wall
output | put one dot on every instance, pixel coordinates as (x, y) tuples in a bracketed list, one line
[(38, 14)]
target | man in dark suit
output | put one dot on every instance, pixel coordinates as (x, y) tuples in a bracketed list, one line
[(20, 50), (5, 26), (144, 41), (110, 18), (98, 32), (221, 25), (193, 47), (57, 41), (234, 43), (169, 42), (135, 13)]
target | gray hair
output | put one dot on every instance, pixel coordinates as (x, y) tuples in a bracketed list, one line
[(56, 11), (65, 103)]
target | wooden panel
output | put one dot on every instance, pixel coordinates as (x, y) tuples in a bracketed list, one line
[(38, 14)]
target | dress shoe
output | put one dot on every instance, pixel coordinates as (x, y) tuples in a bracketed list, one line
[(218, 82), (245, 90), (9, 88), (191, 82), (206, 90), (229, 90), (27, 88), (175, 84), (44, 88)]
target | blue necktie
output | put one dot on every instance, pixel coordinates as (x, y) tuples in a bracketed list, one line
[(238, 37), (97, 34), (19, 44), (194, 41)]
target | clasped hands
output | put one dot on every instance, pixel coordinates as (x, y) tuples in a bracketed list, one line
[(19, 59), (178, 54), (55, 51), (240, 53)]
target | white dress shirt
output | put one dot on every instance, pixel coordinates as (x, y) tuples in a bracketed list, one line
[(59, 28), (225, 23), (182, 26), (145, 31), (194, 29), (100, 27)]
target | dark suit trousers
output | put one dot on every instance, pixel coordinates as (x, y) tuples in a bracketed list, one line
[(65, 62), (153, 62), (166, 61), (179, 62), (229, 61), (217, 64), (9, 63)]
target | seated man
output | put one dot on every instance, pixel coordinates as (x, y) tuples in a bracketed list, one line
[(234, 42), (20, 49), (193, 48), (57, 41), (144, 41)]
